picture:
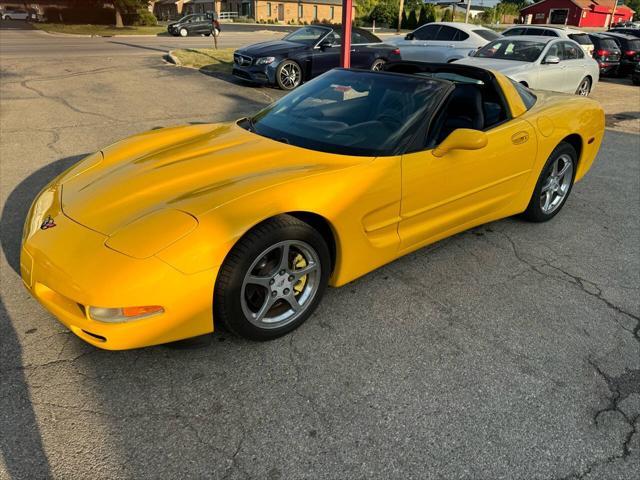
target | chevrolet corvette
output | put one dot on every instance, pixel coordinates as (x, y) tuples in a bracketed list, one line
[(242, 225)]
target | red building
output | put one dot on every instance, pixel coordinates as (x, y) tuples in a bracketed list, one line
[(579, 13)]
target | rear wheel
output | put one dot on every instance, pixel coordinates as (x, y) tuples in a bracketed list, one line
[(584, 88), (184, 32), (288, 75), (272, 280), (554, 184), (378, 64)]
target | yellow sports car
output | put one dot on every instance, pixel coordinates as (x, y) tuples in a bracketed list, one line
[(165, 234)]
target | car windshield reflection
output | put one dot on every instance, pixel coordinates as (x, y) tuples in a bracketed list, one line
[(350, 112)]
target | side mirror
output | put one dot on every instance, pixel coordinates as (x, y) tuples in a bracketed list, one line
[(409, 36), (461, 139), (551, 60)]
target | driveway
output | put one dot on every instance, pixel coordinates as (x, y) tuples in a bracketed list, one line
[(510, 351)]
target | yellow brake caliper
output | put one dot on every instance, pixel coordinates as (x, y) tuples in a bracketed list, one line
[(298, 263)]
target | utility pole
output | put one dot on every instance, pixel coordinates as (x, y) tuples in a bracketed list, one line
[(613, 14), (345, 48), (466, 17), (400, 15)]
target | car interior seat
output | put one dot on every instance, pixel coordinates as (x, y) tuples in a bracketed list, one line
[(464, 110)]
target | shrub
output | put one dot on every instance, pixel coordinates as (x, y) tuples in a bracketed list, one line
[(145, 18), (412, 21)]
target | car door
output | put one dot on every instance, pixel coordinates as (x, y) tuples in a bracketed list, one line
[(201, 25), (573, 60), (415, 49), (327, 57), (463, 188), (361, 54), (551, 76)]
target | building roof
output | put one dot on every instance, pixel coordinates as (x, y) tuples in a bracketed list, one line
[(597, 5)]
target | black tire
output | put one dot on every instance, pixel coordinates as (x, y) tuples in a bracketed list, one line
[(534, 211), (227, 302), (286, 65)]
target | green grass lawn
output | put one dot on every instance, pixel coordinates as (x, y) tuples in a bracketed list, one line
[(102, 30), (207, 59)]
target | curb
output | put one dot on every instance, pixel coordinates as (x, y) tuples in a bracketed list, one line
[(170, 57)]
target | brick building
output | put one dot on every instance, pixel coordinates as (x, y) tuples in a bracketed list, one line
[(579, 13)]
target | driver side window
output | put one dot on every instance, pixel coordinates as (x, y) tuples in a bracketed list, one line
[(555, 50)]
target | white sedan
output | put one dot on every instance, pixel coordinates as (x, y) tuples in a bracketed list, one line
[(542, 63), (16, 15), (442, 42)]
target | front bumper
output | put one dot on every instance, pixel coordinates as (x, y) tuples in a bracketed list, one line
[(68, 268), (260, 74)]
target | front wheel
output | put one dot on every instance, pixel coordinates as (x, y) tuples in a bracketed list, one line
[(584, 88), (288, 75), (554, 184), (272, 280), (184, 32)]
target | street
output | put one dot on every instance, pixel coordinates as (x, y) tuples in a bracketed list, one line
[(510, 351)]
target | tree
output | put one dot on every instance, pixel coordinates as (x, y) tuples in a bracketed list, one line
[(427, 14), (385, 12), (635, 6), (413, 5), (412, 20), (125, 6), (401, 9), (447, 16), (403, 22)]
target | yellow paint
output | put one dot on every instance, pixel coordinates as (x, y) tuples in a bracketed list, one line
[(150, 220)]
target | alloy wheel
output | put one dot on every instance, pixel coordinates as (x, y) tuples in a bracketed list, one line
[(584, 88), (281, 284), (290, 75), (377, 65), (557, 184)]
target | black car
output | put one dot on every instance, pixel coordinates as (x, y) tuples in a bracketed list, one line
[(635, 75), (196, 24), (307, 53), (630, 51), (606, 52), (635, 32)]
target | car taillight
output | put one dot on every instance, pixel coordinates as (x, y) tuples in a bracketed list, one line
[(630, 53), (396, 51), (602, 53)]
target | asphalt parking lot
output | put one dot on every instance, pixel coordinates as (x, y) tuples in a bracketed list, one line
[(511, 351)]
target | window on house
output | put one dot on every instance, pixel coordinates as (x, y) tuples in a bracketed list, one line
[(315, 12), (300, 11), (332, 12), (268, 9)]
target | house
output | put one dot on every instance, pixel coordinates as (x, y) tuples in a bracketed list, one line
[(579, 13), (279, 11)]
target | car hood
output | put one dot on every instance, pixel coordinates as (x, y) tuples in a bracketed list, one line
[(193, 169), (507, 67), (273, 47)]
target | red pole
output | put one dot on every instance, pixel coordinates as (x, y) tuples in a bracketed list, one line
[(345, 49)]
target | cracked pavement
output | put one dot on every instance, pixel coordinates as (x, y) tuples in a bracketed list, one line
[(510, 351)]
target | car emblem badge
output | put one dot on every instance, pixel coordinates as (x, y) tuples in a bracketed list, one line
[(47, 223)]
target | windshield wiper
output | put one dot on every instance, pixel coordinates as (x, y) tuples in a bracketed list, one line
[(251, 125)]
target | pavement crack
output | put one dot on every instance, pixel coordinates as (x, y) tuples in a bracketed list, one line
[(587, 286), (65, 102)]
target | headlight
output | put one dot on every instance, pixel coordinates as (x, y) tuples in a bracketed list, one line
[(265, 60), (124, 314)]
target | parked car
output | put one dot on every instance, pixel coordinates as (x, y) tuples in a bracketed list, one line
[(630, 51), (606, 53), (560, 31), (179, 231), (544, 63), (307, 53), (16, 14), (195, 24), (628, 31), (442, 42), (635, 76)]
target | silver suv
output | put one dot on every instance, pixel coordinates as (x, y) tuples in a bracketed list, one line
[(560, 31)]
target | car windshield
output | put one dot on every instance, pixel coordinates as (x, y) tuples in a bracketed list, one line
[(307, 35), (350, 112), (518, 50)]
